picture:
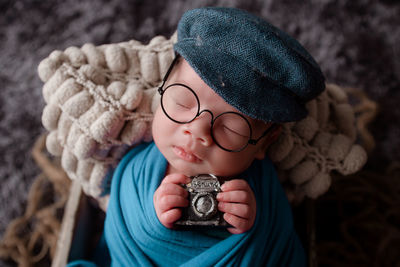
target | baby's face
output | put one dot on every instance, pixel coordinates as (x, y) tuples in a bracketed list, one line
[(189, 148)]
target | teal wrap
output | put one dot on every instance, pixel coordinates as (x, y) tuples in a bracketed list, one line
[(135, 237)]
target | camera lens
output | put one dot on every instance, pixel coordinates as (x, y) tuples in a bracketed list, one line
[(204, 205)]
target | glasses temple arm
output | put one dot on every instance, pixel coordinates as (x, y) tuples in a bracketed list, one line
[(269, 130), (160, 90)]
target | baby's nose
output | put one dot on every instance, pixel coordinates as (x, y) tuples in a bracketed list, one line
[(200, 129)]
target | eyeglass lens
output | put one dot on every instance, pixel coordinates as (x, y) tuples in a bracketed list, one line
[(230, 130)]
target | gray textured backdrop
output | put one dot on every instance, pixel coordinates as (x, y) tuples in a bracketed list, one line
[(356, 43)]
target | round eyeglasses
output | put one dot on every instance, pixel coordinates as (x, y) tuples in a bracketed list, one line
[(231, 131)]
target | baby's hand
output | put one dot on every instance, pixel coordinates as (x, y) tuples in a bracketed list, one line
[(238, 203), (168, 197)]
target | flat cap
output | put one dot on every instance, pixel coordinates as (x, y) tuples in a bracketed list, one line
[(252, 65)]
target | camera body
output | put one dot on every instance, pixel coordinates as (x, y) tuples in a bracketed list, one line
[(203, 204)]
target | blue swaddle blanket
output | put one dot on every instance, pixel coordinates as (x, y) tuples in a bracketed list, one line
[(135, 237)]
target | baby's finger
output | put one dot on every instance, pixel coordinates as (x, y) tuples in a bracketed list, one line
[(169, 217), (171, 189), (240, 225), (235, 196), (236, 184), (235, 231), (237, 209), (176, 178), (171, 201)]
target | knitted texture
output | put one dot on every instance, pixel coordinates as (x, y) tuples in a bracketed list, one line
[(309, 150), (101, 99), (99, 103)]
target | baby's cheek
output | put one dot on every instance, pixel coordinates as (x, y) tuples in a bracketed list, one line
[(230, 165), (161, 128)]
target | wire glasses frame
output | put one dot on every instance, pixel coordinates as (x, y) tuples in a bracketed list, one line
[(161, 91)]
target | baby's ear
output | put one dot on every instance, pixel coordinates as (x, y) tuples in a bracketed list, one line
[(268, 140)]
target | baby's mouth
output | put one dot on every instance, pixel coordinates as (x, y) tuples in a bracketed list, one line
[(186, 155)]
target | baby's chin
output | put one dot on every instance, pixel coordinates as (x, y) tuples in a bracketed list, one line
[(188, 171)]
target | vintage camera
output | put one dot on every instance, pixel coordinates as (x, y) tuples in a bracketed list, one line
[(203, 204)]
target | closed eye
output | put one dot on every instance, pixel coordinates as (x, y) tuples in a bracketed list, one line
[(234, 132), (182, 105)]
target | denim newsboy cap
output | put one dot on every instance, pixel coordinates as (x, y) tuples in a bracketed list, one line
[(252, 65)]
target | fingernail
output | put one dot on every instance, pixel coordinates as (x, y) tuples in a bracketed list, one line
[(223, 187), (219, 196)]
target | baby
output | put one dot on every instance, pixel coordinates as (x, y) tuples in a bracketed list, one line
[(198, 132), (234, 79)]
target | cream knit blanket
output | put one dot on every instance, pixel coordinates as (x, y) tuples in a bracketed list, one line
[(100, 102)]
